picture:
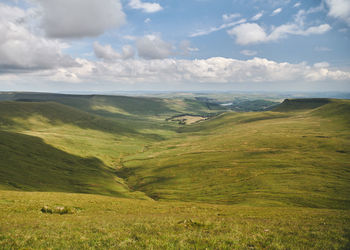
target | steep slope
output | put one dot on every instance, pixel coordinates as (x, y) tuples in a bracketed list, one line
[(27, 163), (12, 113), (296, 158), (76, 152)]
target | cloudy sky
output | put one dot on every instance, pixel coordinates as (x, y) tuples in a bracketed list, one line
[(111, 45)]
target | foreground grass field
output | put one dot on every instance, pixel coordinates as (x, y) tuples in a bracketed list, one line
[(104, 222)]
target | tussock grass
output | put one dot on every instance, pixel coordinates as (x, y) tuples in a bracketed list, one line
[(105, 222)]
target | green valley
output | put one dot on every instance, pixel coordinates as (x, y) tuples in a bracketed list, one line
[(175, 172)]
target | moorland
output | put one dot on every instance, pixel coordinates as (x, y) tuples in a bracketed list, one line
[(173, 172)]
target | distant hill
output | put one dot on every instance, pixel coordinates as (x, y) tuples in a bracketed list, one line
[(299, 104), (119, 106), (251, 105)]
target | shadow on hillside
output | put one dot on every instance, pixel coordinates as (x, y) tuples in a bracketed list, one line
[(27, 163), (57, 114)]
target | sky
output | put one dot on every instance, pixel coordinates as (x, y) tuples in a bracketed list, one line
[(167, 45)]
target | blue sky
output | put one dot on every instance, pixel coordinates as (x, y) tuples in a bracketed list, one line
[(108, 45)]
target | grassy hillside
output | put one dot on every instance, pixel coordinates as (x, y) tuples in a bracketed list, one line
[(121, 106), (48, 146), (101, 222), (301, 104), (15, 115), (298, 158), (27, 163), (282, 177)]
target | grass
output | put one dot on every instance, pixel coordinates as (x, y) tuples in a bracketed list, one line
[(278, 179), (106, 222), (32, 165), (51, 147), (296, 158), (121, 106)]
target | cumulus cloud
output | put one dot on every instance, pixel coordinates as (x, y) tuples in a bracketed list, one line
[(80, 18), (252, 33), (211, 70), (106, 52), (22, 50), (153, 47), (257, 16), (276, 11), (339, 9), (248, 33), (145, 7)]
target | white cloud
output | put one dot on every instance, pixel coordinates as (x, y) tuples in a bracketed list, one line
[(229, 17), (248, 52), (128, 52), (321, 29), (300, 17), (276, 11), (214, 29), (316, 9), (22, 50), (248, 33), (257, 16), (296, 5), (147, 20), (252, 33), (321, 72), (109, 54), (153, 47), (80, 18), (339, 9), (145, 7), (212, 70)]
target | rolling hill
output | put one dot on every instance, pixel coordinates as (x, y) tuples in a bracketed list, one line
[(47, 146), (132, 178), (29, 164), (298, 158), (121, 106)]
